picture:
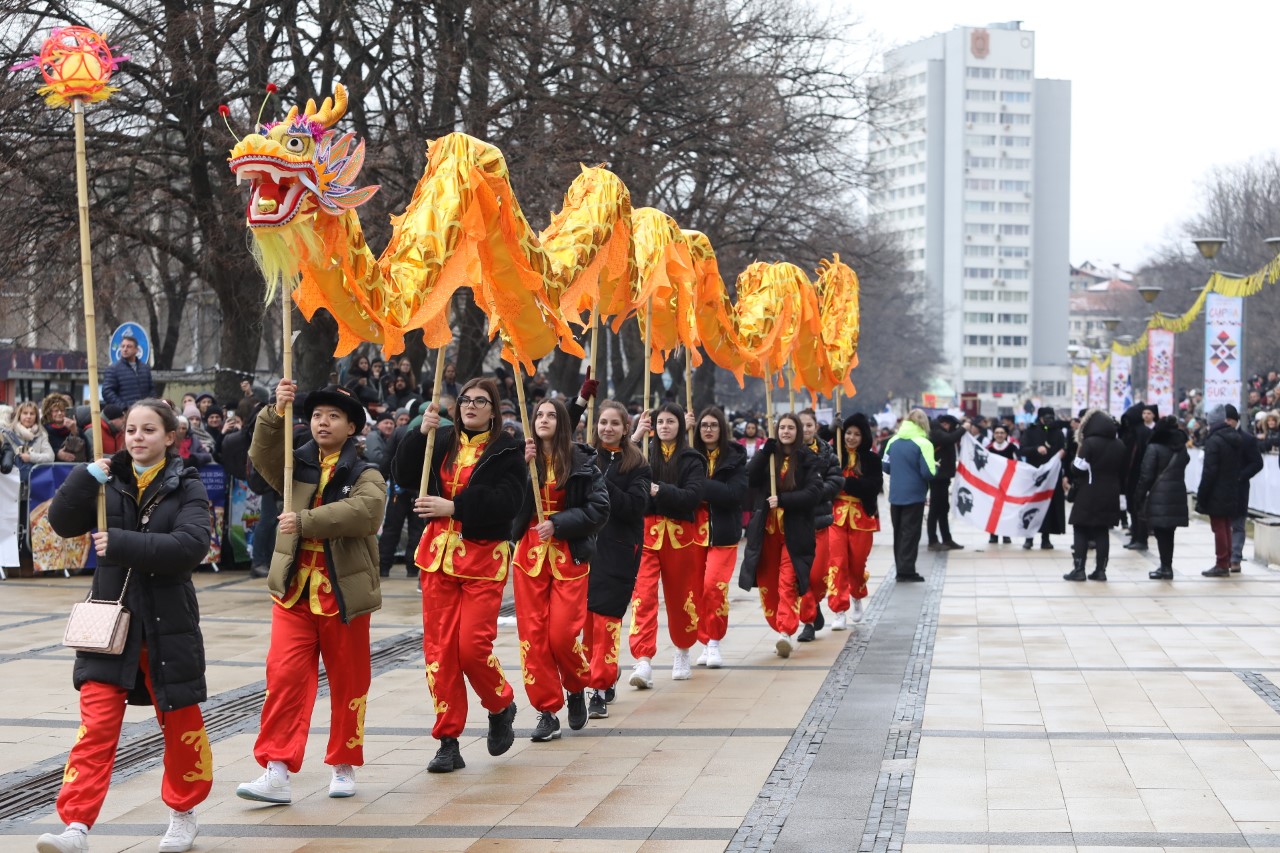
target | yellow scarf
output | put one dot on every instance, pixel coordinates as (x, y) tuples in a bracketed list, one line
[(146, 477), (668, 450), (713, 455)]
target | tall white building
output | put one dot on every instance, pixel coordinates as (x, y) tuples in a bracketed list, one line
[(977, 163)]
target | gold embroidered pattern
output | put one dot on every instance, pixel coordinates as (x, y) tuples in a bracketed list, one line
[(670, 530), (615, 640), (723, 609), (524, 656), (441, 706), (502, 676), (763, 606), (691, 609), (69, 772), (833, 573), (199, 741), (584, 665), (635, 607), (358, 705)]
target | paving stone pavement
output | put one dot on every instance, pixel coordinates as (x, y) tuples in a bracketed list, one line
[(994, 707)]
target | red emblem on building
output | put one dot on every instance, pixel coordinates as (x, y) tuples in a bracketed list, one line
[(979, 43)]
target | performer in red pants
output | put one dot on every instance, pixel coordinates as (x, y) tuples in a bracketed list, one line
[(553, 561), (613, 571), (780, 539), (832, 480), (324, 595), (478, 480), (672, 549), (857, 519), (721, 512)]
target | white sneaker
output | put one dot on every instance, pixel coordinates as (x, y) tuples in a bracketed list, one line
[(839, 622), (642, 674), (714, 661), (702, 658), (182, 832), (271, 787), (857, 610), (73, 839), (680, 669), (783, 646), (343, 783)]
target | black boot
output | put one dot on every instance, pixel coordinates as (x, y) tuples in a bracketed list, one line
[(1100, 573), (1028, 544), (1076, 574), (448, 757), (1164, 573), (806, 634), (819, 621), (1045, 544), (501, 734)]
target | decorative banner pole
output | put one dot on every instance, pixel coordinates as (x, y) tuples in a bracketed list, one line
[(437, 383), (528, 433), (76, 64), (593, 369), (768, 423), (838, 426), (648, 370), (688, 381)]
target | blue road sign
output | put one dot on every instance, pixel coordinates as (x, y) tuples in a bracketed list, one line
[(134, 331)]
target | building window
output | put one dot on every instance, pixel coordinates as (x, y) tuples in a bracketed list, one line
[(980, 183), (1015, 230), (1016, 97), (1015, 186), (978, 140), (1011, 362), (1016, 141), (1013, 295), (1016, 275), (980, 73), (1015, 74), (980, 94), (980, 118), (979, 251), (1015, 252), (980, 207), (973, 229), (977, 361), (1013, 340), (1011, 163), (1015, 118), (979, 295), (1014, 319), (979, 272), (981, 162), (977, 340), (1006, 387), (1015, 207), (979, 317)]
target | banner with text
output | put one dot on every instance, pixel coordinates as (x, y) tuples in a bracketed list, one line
[(1121, 385), (1097, 386), (1079, 390), (1160, 370), (1223, 347)]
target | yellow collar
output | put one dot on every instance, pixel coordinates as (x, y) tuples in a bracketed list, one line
[(147, 476), (668, 449)]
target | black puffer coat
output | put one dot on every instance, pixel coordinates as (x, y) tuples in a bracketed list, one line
[(869, 483), (1219, 491), (617, 561), (1135, 437), (1052, 438), (832, 483), (1097, 491), (680, 500), (945, 442), (797, 517), (160, 597), (725, 492), (586, 507), (1160, 495)]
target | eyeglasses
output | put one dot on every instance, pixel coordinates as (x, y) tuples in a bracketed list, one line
[(478, 402), (712, 425)]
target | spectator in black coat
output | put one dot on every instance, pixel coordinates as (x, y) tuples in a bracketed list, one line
[(1250, 465), (1040, 441), (945, 435), (1160, 495), (1135, 432), (1096, 482), (1000, 445), (129, 379), (1219, 493)]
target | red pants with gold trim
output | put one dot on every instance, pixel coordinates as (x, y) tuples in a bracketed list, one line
[(680, 570), (188, 762), (849, 552), (819, 573), (301, 639), (713, 606), (459, 625), (550, 614), (605, 643), (776, 581)]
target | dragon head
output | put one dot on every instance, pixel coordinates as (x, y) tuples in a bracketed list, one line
[(300, 166)]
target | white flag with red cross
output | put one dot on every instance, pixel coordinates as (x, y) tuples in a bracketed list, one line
[(1002, 496)]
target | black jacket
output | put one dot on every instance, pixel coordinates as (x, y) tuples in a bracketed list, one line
[(797, 517), (1250, 465), (1136, 436), (1219, 490), (586, 507), (944, 447), (725, 491), (680, 500), (1160, 495), (1038, 435), (1097, 491), (613, 571), (832, 483), (867, 488), (492, 496), (161, 598)]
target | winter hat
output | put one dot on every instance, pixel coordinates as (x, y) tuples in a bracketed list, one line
[(111, 411), (1216, 415), (1232, 413), (190, 411)]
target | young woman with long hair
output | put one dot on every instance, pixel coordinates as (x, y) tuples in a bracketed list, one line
[(1001, 445), (157, 533), (552, 565), (780, 539), (822, 575), (673, 548), (613, 573), (721, 512), (856, 520), (477, 482)]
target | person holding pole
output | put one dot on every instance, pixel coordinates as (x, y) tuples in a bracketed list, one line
[(552, 562), (780, 539), (856, 520), (476, 482), (324, 582), (822, 576), (721, 513), (672, 553), (627, 478)]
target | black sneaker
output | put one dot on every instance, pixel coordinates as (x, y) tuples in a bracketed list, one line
[(448, 757), (501, 734), (598, 707), (806, 634), (914, 577), (819, 621), (1216, 572), (548, 728), (610, 694), (577, 708)]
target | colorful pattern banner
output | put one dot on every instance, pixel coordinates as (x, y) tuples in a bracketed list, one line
[(1160, 370), (1223, 346), (1079, 390), (999, 495), (1121, 396), (1097, 386)]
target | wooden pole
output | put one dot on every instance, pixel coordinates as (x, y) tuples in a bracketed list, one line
[(90, 316), (838, 425), (791, 388), (648, 372), (436, 384), (286, 326), (528, 433), (593, 370), (688, 381), (768, 405)]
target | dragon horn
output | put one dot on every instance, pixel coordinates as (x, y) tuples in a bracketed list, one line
[(293, 113), (332, 109)]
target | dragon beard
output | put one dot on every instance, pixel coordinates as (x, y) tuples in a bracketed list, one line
[(282, 253)]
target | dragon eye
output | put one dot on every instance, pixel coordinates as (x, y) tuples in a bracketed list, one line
[(295, 144)]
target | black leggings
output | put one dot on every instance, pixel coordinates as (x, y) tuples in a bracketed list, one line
[(1164, 541), (1101, 538), (939, 507)]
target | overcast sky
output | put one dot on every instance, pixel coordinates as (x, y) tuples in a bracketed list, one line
[(1161, 93)]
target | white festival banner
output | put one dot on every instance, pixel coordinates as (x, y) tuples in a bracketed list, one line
[(1079, 391), (1121, 391), (1097, 386), (1223, 346), (1002, 496), (1160, 370)]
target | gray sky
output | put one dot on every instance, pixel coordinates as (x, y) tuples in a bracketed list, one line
[(1161, 93)]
